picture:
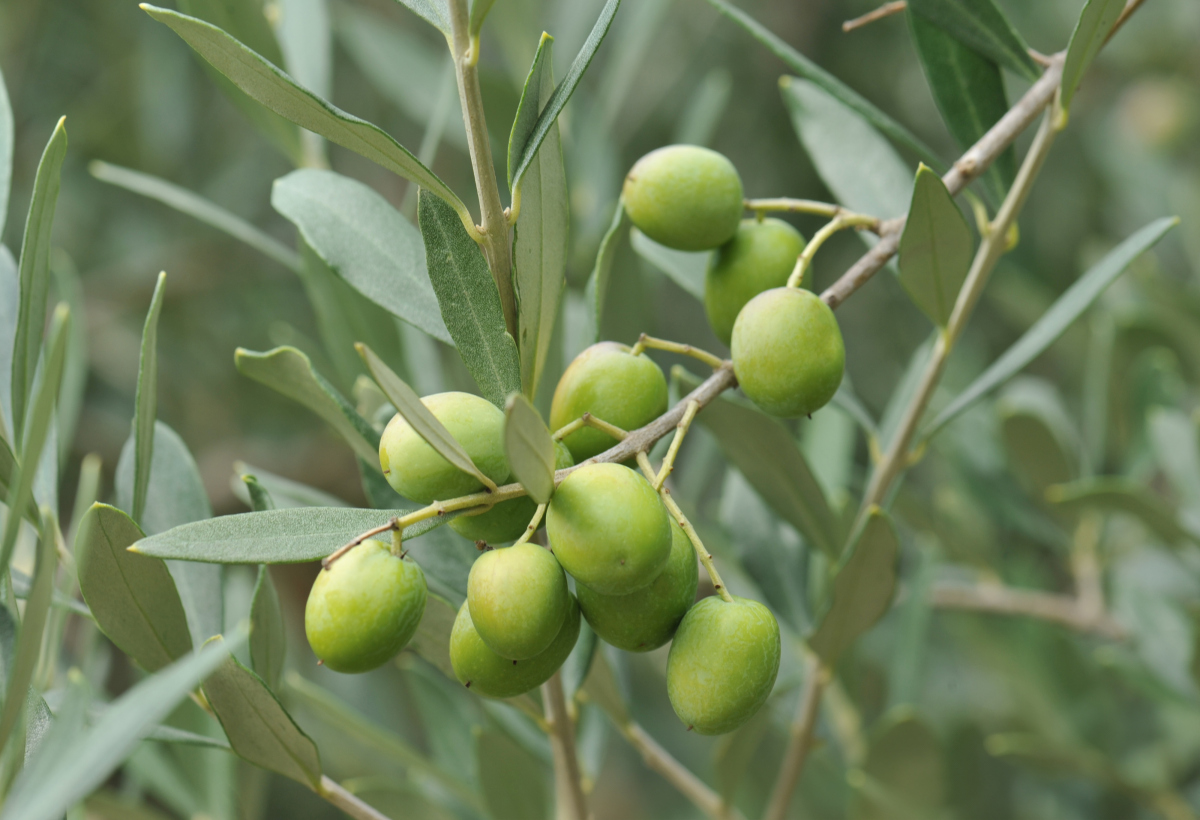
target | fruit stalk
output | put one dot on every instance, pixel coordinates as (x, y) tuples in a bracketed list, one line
[(651, 342), (567, 783), (839, 222)]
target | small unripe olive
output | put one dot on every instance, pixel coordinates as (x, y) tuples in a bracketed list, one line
[(507, 520), (760, 256), (646, 619), (364, 608), (685, 197), (518, 599), (417, 471), (481, 670), (723, 664), (787, 352), (613, 385), (609, 529)]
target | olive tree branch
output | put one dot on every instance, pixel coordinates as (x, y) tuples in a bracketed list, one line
[(799, 740), (886, 10), (341, 797), (568, 786), (999, 599)]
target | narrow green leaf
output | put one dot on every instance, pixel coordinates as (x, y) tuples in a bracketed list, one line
[(277, 91), (169, 734), (260, 498), (33, 624), (969, 92), (20, 491), (857, 164), (540, 239), (268, 641), (935, 248), (469, 301), (8, 470), (132, 597), (64, 772), (23, 586), (597, 286), (832, 85), (512, 780), (1176, 446), (432, 639), (479, 10), (1115, 493), (35, 276), (601, 688), (6, 151), (288, 371), (1095, 23), (903, 774), (197, 207), (364, 240), (306, 40), (530, 105), (10, 298), (683, 268), (434, 12), (68, 287), (1065, 310), (563, 91), (529, 447), (1039, 440), (258, 727), (409, 405), (146, 404), (981, 25), (912, 644), (767, 455), (283, 491), (862, 589)]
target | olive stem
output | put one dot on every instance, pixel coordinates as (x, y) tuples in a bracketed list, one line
[(339, 796), (588, 420), (533, 525), (999, 599), (886, 10), (568, 786), (799, 740), (681, 430), (645, 341), (793, 206), (839, 223)]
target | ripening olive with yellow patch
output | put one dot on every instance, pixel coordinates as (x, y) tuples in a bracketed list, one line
[(788, 354), (364, 608), (517, 597), (685, 197), (612, 384), (760, 256), (507, 520), (417, 471), (723, 663)]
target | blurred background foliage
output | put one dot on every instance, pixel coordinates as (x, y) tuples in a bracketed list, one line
[(1018, 719)]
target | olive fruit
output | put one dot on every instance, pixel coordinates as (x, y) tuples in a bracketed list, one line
[(507, 520), (609, 529), (722, 664), (760, 256), (517, 597), (646, 619), (613, 385), (787, 352), (685, 197), (417, 471), (364, 608), (481, 670)]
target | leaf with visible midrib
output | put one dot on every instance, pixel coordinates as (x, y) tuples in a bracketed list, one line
[(529, 448), (982, 26), (146, 403), (935, 248), (469, 301)]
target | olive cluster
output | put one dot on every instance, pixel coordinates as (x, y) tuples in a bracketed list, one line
[(633, 563)]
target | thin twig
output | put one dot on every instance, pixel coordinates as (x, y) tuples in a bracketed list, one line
[(568, 785), (533, 525), (660, 760), (651, 342), (332, 791), (681, 431), (1126, 13), (799, 741), (886, 10), (839, 223), (999, 599), (392, 524), (794, 206)]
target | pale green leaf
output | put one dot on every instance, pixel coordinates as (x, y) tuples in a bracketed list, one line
[(682, 267), (1119, 494), (306, 42), (513, 781), (268, 640), (479, 10), (10, 298), (597, 286), (935, 248), (8, 470), (146, 404), (434, 12), (283, 491), (23, 585), (1095, 23), (1039, 440), (601, 688), (1176, 446), (529, 448), (903, 775), (6, 151), (981, 25)]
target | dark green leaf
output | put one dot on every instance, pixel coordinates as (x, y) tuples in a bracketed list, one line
[(258, 727), (832, 85), (35, 277), (6, 151), (469, 301), (903, 774), (513, 781), (288, 371), (862, 589), (683, 268), (146, 405), (1065, 310), (260, 498), (364, 240), (1095, 23), (1113, 493), (981, 25), (1173, 437), (529, 447), (268, 641), (1039, 440), (597, 286), (935, 248)]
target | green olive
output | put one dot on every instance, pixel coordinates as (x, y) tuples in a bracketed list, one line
[(517, 598), (685, 197), (609, 529), (613, 385), (364, 608), (759, 257), (646, 619), (507, 520), (481, 670), (787, 352), (723, 664), (417, 471)]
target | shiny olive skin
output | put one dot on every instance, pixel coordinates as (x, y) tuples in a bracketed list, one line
[(685, 197), (507, 520), (788, 354), (613, 385), (417, 471), (646, 619), (364, 608), (609, 529), (517, 597), (723, 663), (483, 671), (760, 256)]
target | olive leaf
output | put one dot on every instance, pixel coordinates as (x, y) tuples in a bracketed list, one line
[(8, 470), (268, 641), (283, 492), (146, 403), (903, 774), (981, 25), (432, 638), (684, 268), (1117, 493), (434, 12), (529, 448), (1095, 23), (510, 778), (1039, 439), (259, 497), (6, 151), (597, 286), (479, 10), (935, 248)]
